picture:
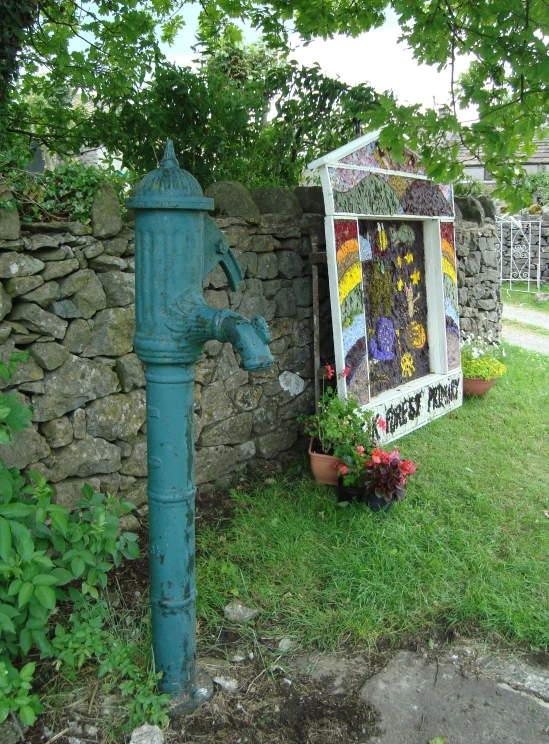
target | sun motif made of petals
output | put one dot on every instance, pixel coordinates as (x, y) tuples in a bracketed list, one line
[(415, 277), (409, 257)]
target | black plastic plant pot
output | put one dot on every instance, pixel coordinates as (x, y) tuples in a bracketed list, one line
[(349, 493), (376, 504)]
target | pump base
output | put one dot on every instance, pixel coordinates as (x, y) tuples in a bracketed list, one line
[(183, 703)]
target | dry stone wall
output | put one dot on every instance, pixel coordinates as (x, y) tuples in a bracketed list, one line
[(67, 295)]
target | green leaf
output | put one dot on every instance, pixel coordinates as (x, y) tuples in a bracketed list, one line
[(4, 711), (62, 575), (27, 715), (25, 640), (25, 593), (59, 521), (45, 580), (87, 491), (23, 540), (19, 417), (438, 740), (78, 567), (5, 540), (13, 511), (6, 624), (46, 596), (6, 484)]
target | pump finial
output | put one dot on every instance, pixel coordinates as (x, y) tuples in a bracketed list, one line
[(169, 160)]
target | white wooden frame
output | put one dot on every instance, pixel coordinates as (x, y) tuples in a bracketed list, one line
[(415, 403)]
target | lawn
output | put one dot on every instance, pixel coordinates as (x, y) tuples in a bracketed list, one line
[(467, 549), (518, 296)]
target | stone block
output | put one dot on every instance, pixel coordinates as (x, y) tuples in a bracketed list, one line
[(285, 302), (232, 199), (22, 285), (78, 336), (36, 319), (310, 199), (65, 309), (130, 372), (216, 299), (116, 247), (471, 209), (264, 243), (117, 416), (27, 371), (106, 218), (233, 430), (136, 493), (136, 464), (93, 250), (290, 264), (58, 269), (112, 334), (280, 225), (5, 303), (213, 462), (267, 266), (28, 446), (74, 383), (237, 237), (83, 457), (248, 397), (69, 492), (49, 355), (44, 295), (472, 263), (48, 240), (12, 245), (277, 200), (271, 444), (58, 432), (216, 404), (78, 420), (119, 288), (17, 264), (108, 263)]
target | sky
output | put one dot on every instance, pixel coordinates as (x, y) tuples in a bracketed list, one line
[(354, 61)]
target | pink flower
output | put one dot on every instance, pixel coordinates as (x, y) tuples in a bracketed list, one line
[(345, 372), (381, 423), (360, 450), (330, 372), (344, 470)]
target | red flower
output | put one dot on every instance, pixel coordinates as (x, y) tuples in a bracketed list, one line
[(381, 423), (330, 372), (360, 450), (343, 469), (345, 372)]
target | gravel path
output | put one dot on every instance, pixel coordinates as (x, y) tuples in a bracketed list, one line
[(525, 315), (527, 339)]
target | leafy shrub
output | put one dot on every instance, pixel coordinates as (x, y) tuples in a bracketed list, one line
[(64, 193), (44, 547), (538, 185)]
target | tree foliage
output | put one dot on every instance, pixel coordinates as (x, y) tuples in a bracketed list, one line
[(108, 51)]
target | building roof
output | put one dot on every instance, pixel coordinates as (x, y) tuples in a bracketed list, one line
[(539, 157)]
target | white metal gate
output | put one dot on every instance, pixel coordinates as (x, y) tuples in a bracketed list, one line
[(520, 248)]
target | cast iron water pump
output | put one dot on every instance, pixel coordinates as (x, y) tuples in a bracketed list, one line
[(177, 244)]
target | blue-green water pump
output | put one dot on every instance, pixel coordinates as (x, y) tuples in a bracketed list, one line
[(177, 244)]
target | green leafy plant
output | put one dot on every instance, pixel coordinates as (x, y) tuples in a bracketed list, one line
[(538, 185), (96, 635), (480, 361), (63, 193), (387, 473), (340, 426), (44, 547)]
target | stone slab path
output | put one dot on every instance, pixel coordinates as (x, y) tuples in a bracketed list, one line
[(461, 693)]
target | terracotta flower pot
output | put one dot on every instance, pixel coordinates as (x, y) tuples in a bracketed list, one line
[(477, 386), (322, 466)]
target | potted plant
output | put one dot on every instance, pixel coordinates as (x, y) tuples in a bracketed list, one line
[(338, 425), (386, 478), (481, 367), (350, 468)]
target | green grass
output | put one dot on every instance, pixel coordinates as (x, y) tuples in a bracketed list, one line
[(467, 549), (519, 297)]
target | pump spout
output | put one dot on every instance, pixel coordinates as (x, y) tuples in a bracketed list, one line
[(249, 337)]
